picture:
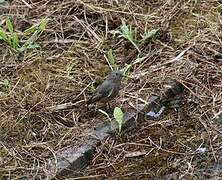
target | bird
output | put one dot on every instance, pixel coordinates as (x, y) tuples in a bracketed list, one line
[(108, 90)]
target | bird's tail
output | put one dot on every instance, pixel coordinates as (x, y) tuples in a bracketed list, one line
[(93, 99)]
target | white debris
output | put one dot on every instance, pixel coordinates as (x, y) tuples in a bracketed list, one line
[(154, 114), (201, 150), (135, 154)]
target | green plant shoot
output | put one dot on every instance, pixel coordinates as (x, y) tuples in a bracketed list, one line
[(118, 115), (36, 31), (25, 40), (149, 35), (111, 59), (128, 34)]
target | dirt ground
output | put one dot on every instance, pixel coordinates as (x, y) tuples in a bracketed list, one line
[(71, 62)]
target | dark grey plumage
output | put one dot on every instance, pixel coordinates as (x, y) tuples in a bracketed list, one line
[(109, 89)]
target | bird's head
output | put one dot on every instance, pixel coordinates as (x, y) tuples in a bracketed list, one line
[(115, 76)]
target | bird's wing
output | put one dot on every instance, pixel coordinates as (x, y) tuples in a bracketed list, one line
[(105, 90)]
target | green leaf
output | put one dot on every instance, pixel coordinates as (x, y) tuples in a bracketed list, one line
[(105, 113), (9, 25), (126, 70), (111, 58), (128, 34), (33, 46), (37, 30), (15, 40), (32, 29), (5, 82), (43, 24), (3, 35), (29, 41), (2, 1), (150, 34), (27, 38), (118, 115), (10, 38), (4, 86), (37, 27)]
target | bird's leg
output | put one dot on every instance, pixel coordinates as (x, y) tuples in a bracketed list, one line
[(108, 108)]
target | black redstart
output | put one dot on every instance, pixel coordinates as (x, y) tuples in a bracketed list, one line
[(109, 89)]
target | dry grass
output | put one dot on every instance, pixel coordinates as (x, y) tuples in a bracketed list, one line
[(71, 63)]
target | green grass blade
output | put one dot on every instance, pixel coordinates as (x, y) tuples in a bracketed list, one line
[(29, 42), (37, 27), (43, 24), (36, 31), (11, 38), (9, 25), (3, 35), (15, 41)]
